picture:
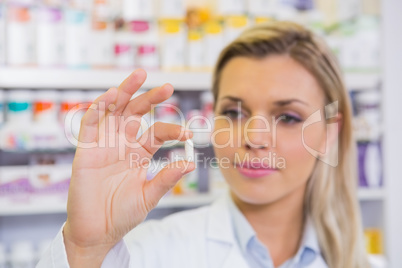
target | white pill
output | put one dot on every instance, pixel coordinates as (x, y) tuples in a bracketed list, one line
[(189, 148), (144, 126)]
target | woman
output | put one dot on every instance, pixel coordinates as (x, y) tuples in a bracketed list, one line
[(279, 96)]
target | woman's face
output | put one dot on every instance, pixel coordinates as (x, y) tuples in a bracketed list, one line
[(258, 137)]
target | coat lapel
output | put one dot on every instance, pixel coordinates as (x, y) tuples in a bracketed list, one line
[(222, 248), (223, 251), (235, 259)]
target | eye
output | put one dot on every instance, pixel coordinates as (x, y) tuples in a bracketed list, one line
[(288, 119), (234, 114)]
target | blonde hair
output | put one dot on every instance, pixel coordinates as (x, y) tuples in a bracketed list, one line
[(330, 198)]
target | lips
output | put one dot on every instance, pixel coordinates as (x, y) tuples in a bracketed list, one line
[(255, 165), (255, 169)]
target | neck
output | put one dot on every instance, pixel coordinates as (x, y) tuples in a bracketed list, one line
[(278, 225)]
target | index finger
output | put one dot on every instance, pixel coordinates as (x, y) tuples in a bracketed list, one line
[(127, 88)]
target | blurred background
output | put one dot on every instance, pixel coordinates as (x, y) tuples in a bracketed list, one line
[(56, 54)]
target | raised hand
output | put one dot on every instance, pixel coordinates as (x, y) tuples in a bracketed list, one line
[(109, 194)]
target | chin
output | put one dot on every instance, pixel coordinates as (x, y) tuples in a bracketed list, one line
[(254, 197)]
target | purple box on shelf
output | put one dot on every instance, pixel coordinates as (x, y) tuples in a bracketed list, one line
[(370, 164)]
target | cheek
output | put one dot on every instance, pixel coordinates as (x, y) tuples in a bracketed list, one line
[(300, 150), (314, 138)]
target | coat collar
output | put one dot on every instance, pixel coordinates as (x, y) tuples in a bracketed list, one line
[(223, 251), (220, 230), (219, 226)]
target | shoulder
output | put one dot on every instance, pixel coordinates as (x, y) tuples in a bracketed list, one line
[(184, 221), (187, 232), (319, 262), (187, 215), (187, 222), (178, 225), (178, 240), (168, 239)]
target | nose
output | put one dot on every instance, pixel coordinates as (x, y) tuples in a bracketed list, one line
[(257, 133)]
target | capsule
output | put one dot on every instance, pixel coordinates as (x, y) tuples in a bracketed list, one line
[(189, 148)]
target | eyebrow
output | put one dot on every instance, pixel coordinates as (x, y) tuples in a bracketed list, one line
[(278, 103)]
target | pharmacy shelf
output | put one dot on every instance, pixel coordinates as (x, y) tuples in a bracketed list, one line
[(189, 201), (167, 146), (42, 206), (362, 81), (374, 194), (102, 79), (32, 208), (38, 151), (99, 79)]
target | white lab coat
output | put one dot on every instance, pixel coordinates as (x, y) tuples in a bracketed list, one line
[(198, 238)]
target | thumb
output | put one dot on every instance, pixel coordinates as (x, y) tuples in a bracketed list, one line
[(156, 188)]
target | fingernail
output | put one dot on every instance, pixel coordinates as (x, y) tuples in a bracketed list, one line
[(168, 86), (190, 167), (111, 89), (112, 107), (93, 106), (188, 133)]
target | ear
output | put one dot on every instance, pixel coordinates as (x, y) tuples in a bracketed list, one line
[(333, 128)]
